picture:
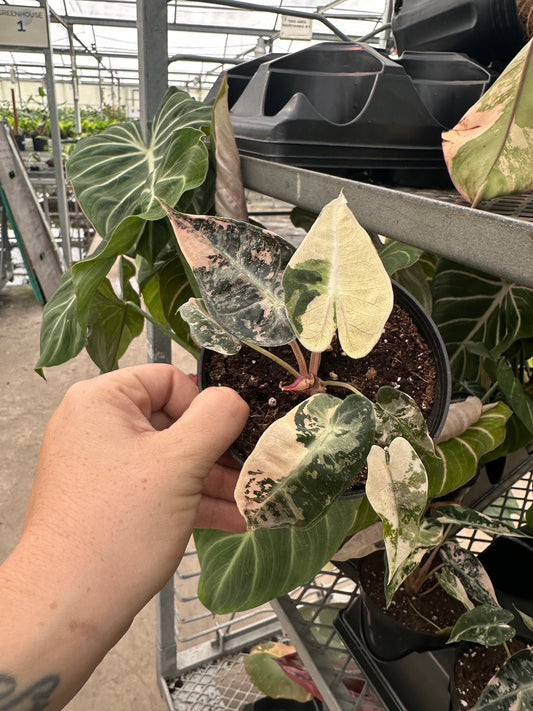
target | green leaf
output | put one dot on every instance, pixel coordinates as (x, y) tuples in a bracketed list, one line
[(485, 624), (526, 619), (240, 571), (468, 518), (175, 289), (230, 200), (113, 324), (470, 306), (265, 673), (116, 175), (453, 586), (457, 459), (415, 280), (336, 281), (206, 331), (511, 688), (398, 415), (396, 255), (157, 235), (513, 390), (490, 151), (238, 268), (468, 568), (396, 488), (305, 460), (62, 337)]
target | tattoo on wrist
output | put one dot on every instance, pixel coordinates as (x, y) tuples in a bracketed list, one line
[(33, 698)]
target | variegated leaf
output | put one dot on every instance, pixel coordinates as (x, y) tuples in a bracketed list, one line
[(238, 268), (460, 416), (468, 568), (490, 151), (244, 570), (116, 175), (511, 688), (206, 330), (454, 587), (268, 676), (457, 459), (468, 518), (470, 306), (397, 255), (336, 281), (305, 460), (397, 490), (485, 625), (397, 414)]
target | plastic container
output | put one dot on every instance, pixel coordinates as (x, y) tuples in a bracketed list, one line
[(486, 30), (343, 107)]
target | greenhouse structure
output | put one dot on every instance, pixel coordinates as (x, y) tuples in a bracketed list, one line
[(328, 208)]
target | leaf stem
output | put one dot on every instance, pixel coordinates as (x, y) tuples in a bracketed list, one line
[(430, 622), (188, 347), (302, 365), (486, 397), (340, 384), (273, 357), (314, 363)]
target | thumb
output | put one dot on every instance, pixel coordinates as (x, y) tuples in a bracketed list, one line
[(212, 422)]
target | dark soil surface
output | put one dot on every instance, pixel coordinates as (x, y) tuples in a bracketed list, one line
[(400, 359), (436, 607), (477, 666)]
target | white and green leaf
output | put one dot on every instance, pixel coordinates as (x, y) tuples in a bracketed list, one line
[(268, 676), (490, 151), (363, 543), (240, 571), (206, 331), (469, 518), (398, 415), (467, 567), (397, 255), (452, 584), (116, 175), (335, 281), (511, 688), (457, 459), (397, 490), (238, 268), (486, 624), (305, 460)]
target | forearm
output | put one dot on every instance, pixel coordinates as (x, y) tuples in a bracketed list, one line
[(57, 622)]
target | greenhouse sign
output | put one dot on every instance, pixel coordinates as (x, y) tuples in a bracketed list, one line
[(23, 26)]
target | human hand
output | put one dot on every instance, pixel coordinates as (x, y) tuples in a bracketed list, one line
[(129, 463)]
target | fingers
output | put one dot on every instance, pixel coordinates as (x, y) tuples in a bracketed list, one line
[(224, 515), (220, 483)]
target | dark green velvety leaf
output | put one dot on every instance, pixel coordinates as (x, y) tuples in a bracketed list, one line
[(113, 324), (116, 175), (175, 289), (396, 255), (511, 688), (62, 337), (238, 268), (240, 571), (157, 235), (520, 402)]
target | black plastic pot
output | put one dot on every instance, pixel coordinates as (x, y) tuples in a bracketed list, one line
[(509, 564), (429, 333), (269, 704), (40, 143), (486, 30), (19, 139), (342, 107)]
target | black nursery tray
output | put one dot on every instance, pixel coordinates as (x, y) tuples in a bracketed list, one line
[(417, 681)]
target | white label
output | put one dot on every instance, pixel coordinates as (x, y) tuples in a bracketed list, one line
[(23, 26), (296, 27)]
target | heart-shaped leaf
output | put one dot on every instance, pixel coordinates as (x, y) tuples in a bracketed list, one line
[(457, 458), (136, 174), (485, 624), (240, 571), (206, 331), (490, 151), (470, 306), (511, 688), (397, 490), (397, 414), (305, 460), (238, 268), (468, 568), (336, 281)]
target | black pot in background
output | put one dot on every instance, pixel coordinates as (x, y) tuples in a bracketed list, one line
[(19, 138), (40, 143), (486, 30), (429, 333), (269, 704)]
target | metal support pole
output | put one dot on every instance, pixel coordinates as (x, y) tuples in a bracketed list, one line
[(62, 205), (75, 87)]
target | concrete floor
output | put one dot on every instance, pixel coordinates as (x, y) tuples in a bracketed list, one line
[(126, 679)]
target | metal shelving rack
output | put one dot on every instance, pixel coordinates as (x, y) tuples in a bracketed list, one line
[(497, 239)]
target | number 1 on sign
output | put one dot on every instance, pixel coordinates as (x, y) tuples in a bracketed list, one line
[(21, 26)]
